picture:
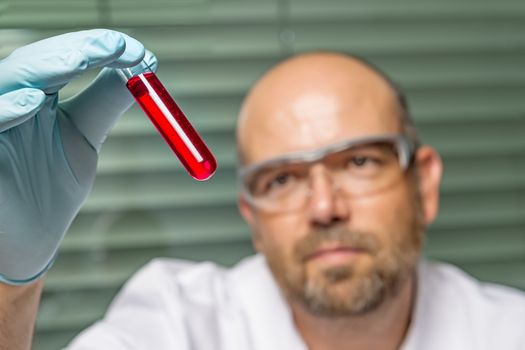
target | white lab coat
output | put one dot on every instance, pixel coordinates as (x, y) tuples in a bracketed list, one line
[(172, 304)]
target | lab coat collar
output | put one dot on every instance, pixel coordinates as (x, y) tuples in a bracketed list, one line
[(437, 315), (267, 313), (269, 317)]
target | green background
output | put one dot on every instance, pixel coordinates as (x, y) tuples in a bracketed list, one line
[(462, 63)]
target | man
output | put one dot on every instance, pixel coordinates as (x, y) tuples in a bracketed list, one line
[(337, 191)]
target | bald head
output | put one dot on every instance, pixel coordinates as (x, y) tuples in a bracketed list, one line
[(315, 99)]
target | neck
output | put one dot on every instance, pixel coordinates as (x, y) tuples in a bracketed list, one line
[(381, 329)]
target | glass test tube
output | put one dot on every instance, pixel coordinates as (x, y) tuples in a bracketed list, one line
[(169, 120)]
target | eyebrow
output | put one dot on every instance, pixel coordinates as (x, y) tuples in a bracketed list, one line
[(317, 153)]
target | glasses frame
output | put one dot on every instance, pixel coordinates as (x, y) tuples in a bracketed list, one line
[(406, 149)]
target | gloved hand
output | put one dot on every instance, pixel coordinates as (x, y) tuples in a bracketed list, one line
[(48, 150)]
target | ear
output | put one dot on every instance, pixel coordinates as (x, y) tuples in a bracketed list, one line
[(247, 213), (429, 171)]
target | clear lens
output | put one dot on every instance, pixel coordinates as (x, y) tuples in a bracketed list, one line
[(357, 168)]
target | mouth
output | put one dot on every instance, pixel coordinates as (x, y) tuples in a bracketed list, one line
[(334, 254)]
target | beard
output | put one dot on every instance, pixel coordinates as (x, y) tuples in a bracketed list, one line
[(359, 286)]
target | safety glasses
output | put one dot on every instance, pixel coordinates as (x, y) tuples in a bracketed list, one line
[(357, 167)]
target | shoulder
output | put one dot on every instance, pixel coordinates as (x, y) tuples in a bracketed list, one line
[(451, 282), (188, 279), (167, 304), (452, 302)]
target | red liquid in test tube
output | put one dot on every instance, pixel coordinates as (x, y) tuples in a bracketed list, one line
[(173, 125)]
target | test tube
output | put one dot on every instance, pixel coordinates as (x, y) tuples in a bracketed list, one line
[(169, 120)]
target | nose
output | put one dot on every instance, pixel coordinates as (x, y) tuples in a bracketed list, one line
[(327, 205)]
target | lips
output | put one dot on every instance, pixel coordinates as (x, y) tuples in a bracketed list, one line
[(332, 251)]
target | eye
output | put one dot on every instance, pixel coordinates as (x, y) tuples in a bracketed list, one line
[(364, 165), (276, 181), (279, 180), (278, 184), (361, 161)]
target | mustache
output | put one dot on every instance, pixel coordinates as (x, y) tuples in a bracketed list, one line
[(335, 235)]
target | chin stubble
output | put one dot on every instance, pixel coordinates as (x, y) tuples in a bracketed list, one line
[(342, 291)]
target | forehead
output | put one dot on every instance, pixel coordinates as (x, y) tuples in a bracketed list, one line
[(310, 110), (313, 120)]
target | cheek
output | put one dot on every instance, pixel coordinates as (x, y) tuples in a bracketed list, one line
[(388, 214), (278, 234)]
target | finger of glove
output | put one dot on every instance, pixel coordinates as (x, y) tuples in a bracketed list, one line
[(51, 63), (18, 106), (96, 109), (132, 55)]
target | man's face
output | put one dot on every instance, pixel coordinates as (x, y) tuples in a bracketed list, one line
[(349, 263), (336, 255)]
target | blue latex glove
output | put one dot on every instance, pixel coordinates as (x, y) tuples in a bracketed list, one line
[(48, 150)]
